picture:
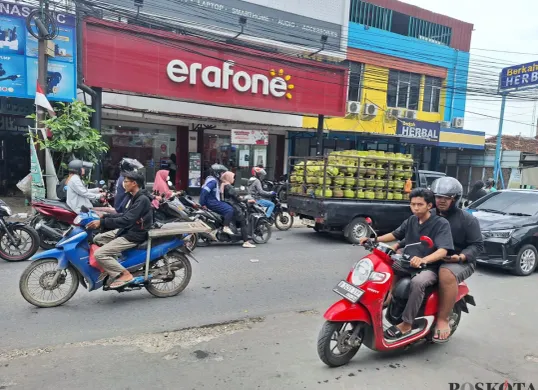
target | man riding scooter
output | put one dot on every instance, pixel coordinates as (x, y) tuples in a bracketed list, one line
[(255, 189), (421, 223)]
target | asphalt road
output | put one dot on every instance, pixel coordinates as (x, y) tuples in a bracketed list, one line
[(274, 296)]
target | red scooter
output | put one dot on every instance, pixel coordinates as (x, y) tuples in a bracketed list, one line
[(360, 319)]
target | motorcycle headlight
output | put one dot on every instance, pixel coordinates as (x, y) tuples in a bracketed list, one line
[(361, 272), (7, 209), (77, 220)]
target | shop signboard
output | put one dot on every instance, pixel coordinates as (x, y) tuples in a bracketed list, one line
[(250, 137), (196, 70), (261, 21), (18, 56), (195, 170), (519, 76), (418, 132)]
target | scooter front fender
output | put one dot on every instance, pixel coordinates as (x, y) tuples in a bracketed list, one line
[(345, 311), (53, 254)]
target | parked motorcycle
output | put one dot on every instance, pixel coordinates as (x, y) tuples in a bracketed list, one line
[(53, 218), (18, 242), (257, 223), (357, 319), (160, 265), (281, 216)]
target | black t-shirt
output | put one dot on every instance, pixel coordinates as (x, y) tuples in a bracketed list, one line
[(435, 227)]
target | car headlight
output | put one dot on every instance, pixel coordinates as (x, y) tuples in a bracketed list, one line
[(502, 234), (7, 209), (362, 271)]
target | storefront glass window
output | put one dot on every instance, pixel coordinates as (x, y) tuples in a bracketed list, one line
[(152, 147)]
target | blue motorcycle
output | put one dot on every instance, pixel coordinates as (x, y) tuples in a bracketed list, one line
[(160, 265)]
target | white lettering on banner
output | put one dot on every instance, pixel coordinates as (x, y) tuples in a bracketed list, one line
[(215, 77), (521, 79), (417, 132)]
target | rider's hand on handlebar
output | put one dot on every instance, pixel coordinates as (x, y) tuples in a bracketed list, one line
[(417, 262), (363, 240)]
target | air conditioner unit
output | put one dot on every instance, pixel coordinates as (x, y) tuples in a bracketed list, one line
[(370, 109), (392, 113), (401, 113), (410, 114), (353, 107), (445, 124), (457, 123)]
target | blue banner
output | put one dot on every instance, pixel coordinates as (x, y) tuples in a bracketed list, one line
[(518, 76), (18, 56), (418, 132)]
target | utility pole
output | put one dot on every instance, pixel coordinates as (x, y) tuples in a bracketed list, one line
[(42, 59), (319, 136)]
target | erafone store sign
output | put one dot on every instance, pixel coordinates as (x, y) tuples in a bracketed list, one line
[(167, 65), (225, 77)]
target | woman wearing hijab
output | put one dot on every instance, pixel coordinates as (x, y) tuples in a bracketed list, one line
[(230, 195), (160, 186)]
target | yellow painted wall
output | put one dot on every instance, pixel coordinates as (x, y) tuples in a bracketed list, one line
[(375, 82)]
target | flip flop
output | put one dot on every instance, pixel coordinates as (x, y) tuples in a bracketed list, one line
[(436, 338), (123, 283), (395, 333)]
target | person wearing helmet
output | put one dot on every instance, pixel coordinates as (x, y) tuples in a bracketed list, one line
[(210, 197), (255, 189), (468, 244), (120, 197), (477, 191), (490, 185), (78, 194)]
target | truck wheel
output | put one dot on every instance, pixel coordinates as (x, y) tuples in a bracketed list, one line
[(357, 229)]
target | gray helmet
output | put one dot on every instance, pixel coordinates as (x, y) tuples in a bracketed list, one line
[(75, 166), (217, 170), (449, 187)]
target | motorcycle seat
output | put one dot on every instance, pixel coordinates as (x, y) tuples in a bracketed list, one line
[(57, 203)]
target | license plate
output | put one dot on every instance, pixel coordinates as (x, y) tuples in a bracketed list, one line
[(348, 291)]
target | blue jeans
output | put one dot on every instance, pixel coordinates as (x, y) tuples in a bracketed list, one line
[(270, 206)]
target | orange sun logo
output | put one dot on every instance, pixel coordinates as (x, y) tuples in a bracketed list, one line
[(284, 77)]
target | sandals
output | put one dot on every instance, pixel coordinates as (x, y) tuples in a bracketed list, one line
[(436, 338), (120, 283), (395, 333)]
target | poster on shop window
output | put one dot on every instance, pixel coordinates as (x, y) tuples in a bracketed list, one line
[(250, 137), (195, 170)]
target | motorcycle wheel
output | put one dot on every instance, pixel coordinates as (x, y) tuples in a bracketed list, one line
[(27, 236), (283, 221), (192, 242), (262, 233), (335, 332), (283, 195), (44, 242), (44, 270), (171, 286)]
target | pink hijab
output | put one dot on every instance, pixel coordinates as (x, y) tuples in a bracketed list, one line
[(161, 184), (225, 179)]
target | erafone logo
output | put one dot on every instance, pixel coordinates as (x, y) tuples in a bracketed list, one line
[(278, 85)]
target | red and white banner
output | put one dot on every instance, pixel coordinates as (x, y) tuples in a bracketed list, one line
[(133, 59), (250, 137)]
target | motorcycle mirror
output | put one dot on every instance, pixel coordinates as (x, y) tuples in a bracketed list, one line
[(427, 240)]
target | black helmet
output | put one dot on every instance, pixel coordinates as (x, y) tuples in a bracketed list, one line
[(449, 187), (130, 165), (75, 166), (217, 170)]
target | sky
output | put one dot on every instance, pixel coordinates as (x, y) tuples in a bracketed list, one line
[(505, 27)]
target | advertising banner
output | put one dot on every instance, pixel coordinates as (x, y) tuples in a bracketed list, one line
[(195, 170), (519, 76), (250, 137), (418, 132), (18, 56)]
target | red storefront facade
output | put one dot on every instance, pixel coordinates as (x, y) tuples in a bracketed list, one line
[(133, 60)]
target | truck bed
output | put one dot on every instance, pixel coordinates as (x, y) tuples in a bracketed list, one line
[(335, 214)]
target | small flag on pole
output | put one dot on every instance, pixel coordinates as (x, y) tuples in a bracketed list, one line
[(42, 101)]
